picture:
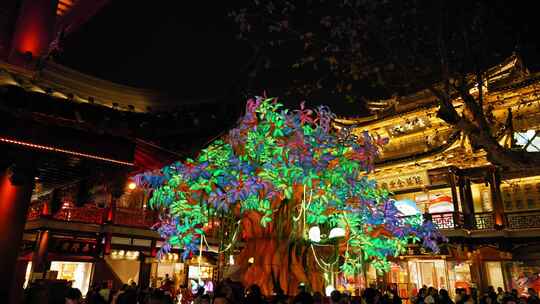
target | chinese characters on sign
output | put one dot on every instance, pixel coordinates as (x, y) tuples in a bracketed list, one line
[(405, 181), (75, 247)]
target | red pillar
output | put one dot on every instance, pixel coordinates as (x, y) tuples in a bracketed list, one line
[(39, 258), (153, 249), (107, 246), (34, 29), (15, 193), (111, 213)]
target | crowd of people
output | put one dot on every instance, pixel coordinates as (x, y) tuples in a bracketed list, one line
[(225, 293), (433, 296), (229, 292), (97, 294)]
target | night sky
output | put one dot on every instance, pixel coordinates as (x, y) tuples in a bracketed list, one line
[(190, 51)]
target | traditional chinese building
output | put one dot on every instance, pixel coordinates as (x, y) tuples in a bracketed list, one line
[(491, 216)]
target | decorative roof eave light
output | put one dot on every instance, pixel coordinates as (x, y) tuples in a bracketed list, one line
[(54, 149)]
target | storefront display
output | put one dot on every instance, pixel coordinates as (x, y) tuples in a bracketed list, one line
[(399, 275), (349, 285), (495, 274), (524, 276), (201, 276), (429, 273), (174, 270), (459, 276), (411, 275), (79, 273)]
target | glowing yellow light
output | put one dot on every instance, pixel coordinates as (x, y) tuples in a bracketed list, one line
[(336, 232), (314, 234), (132, 186), (329, 289)]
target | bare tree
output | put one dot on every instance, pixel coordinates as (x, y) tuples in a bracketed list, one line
[(359, 50)]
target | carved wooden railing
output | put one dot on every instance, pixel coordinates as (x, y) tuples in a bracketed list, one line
[(447, 220), (519, 220), (125, 217), (81, 215), (135, 217), (484, 221), (523, 220)]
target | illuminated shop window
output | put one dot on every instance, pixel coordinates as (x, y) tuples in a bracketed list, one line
[(495, 274), (459, 276), (206, 272), (429, 273), (481, 194), (524, 276), (399, 275), (77, 272), (371, 275), (529, 140), (521, 193)]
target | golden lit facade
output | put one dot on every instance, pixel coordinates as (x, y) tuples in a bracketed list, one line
[(488, 214)]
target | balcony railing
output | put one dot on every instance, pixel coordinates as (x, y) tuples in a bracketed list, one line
[(447, 220), (81, 215), (135, 217), (484, 221), (140, 218), (523, 220)]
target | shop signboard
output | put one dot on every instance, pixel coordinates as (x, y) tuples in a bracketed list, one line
[(73, 247), (405, 181)]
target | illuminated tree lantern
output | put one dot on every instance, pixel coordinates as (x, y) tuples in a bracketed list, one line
[(276, 181)]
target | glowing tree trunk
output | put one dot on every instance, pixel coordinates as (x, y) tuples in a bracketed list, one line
[(277, 259)]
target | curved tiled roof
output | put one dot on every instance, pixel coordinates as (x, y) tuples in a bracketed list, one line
[(500, 77), (65, 83)]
